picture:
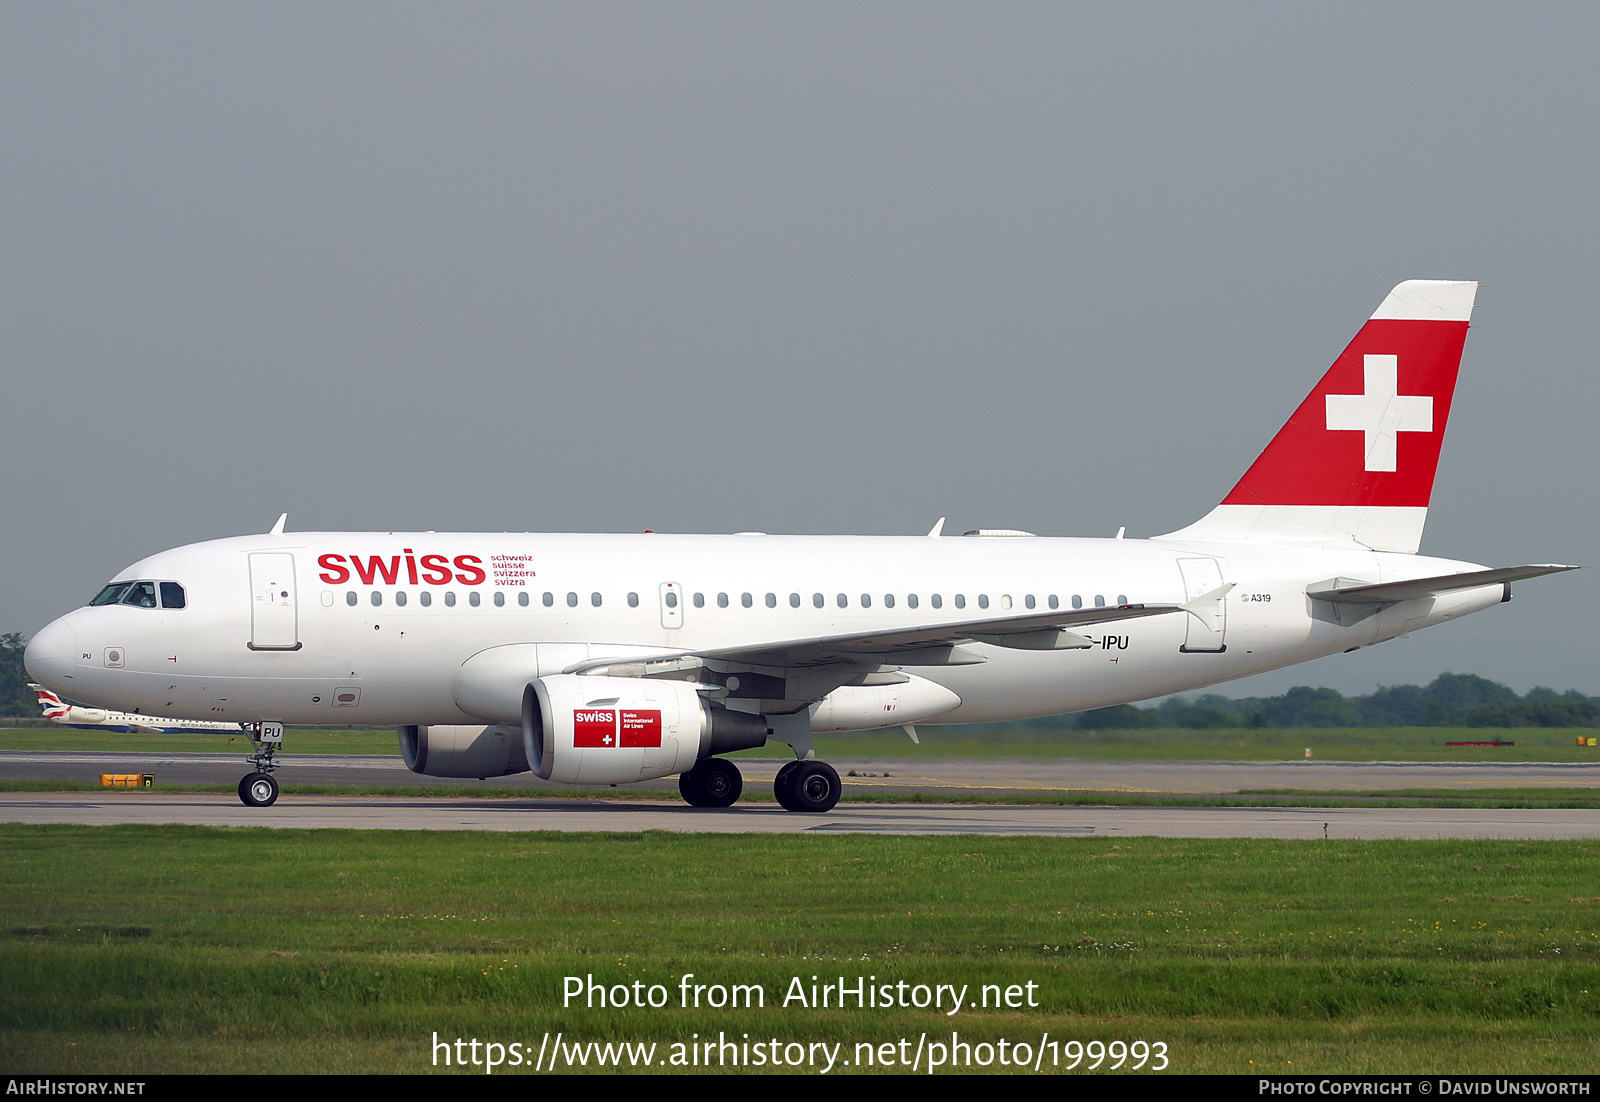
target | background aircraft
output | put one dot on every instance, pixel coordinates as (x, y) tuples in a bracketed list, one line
[(99, 719)]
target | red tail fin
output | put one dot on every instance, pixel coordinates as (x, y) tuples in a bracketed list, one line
[(1356, 462)]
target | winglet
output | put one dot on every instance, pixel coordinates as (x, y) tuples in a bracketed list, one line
[(277, 529), (937, 530)]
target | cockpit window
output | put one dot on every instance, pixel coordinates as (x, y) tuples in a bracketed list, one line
[(141, 595), (111, 594), (172, 595)]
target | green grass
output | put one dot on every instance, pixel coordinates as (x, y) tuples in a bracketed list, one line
[(138, 950), (298, 740), (1419, 744)]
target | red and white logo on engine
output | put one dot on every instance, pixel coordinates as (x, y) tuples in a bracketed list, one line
[(594, 727), (641, 728)]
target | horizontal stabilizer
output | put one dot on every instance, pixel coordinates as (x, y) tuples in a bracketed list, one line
[(1390, 592), (1202, 604)]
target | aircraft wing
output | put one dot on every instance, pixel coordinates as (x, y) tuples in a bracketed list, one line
[(1390, 592), (925, 644)]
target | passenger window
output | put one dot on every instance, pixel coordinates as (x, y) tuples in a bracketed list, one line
[(572, 599), (983, 600), (499, 598), (522, 598), (844, 602), (1055, 602), (426, 598), (888, 600), (866, 600), (1122, 598), (699, 600), (400, 598), (1005, 601), (911, 600), (474, 598), (671, 599), (450, 598), (818, 600), (1099, 601), (141, 595), (722, 600), (746, 600), (633, 600), (1028, 600), (594, 599), (1077, 601), (350, 598), (794, 600), (938, 601), (549, 599), (772, 600), (961, 600), (377, 597), (172, 595)]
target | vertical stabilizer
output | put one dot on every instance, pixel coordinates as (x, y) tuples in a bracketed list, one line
[(1355, 463), (49, 703)]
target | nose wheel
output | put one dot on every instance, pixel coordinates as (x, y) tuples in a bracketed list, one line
[(258, 790)]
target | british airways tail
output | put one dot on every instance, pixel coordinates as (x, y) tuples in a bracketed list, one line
[(49, 703), (1355, 464)]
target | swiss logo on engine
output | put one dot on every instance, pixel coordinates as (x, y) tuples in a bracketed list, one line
[(642, 728), (594, 727)]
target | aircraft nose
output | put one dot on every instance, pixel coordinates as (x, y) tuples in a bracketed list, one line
[(51, 656)]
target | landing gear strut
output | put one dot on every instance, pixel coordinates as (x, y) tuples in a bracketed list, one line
[(713, 782), (260, 788)]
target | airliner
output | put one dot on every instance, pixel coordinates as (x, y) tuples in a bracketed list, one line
[(610, 659), (59, 711)]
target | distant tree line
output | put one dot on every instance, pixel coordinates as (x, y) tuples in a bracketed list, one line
[(16, 699), (1449, 700)]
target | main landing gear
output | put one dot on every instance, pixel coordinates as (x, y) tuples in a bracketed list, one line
[(807, 785), (260, 788), (713, 782)]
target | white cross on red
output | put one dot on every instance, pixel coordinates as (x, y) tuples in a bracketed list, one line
[(1382, 413)]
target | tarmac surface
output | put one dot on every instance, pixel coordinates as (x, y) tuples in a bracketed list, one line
[(543, 806), (991, 776), (452, 813)]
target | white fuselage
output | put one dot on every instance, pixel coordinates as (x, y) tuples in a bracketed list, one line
[(287, 628)]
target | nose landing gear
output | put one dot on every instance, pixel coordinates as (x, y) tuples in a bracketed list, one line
[(260, 788)]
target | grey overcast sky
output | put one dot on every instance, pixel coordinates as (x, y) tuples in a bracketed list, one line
[(812, 267)]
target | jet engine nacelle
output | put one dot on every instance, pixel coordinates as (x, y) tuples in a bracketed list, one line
[(463, 751), (581, 729)]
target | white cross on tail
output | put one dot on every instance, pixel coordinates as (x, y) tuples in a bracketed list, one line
[(1382, 413)]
